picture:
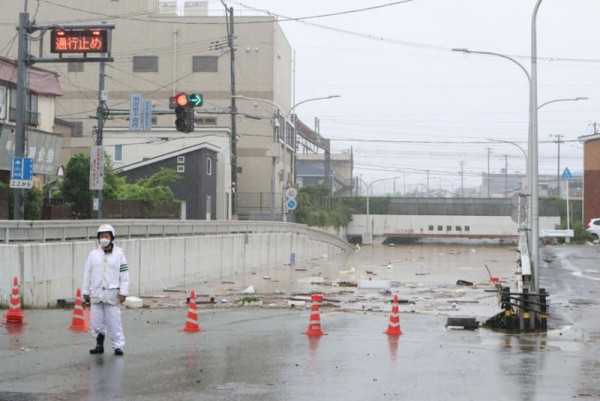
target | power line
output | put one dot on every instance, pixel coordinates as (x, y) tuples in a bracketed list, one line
[(269, 21)]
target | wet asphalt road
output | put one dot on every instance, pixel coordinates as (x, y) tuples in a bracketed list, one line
[(259, 354)]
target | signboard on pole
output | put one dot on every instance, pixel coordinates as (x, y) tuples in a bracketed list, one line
[(566, 175), (97, 168), (135, 112), (147, 115), (21, 172)]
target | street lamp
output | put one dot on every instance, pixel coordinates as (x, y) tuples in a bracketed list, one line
[(368, 186), (532, 159), (286, 115)]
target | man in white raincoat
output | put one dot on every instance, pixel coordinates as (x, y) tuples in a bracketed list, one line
[(106, 282)]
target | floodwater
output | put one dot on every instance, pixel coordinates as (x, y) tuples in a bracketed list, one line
[(259, 353)]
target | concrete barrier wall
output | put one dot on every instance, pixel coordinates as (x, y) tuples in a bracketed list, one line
[(382, 224), (51, 271)]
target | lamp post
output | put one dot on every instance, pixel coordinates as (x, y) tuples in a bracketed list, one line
[(368, 186), (532, 154), (286, 116)]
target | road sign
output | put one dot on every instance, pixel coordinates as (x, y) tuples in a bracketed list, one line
[(96, 168), (135, 112), (196, 99), (291, 204), (147, 115), (21, 172), (566, 175), (291, 193), (79, 41)]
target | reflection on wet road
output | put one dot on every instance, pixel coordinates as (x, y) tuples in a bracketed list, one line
[(260, 353)]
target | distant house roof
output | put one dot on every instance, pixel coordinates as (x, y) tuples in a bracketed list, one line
[(189, 149), (42, 82), (587, 138)]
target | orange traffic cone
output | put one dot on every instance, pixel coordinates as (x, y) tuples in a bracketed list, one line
[(314, 325), (191, 324), (394, 326), (78, 323), (15, 314)]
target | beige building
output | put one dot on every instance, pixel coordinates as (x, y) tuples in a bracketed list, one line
[(161, 48)]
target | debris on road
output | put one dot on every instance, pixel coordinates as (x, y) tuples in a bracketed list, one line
[(464, 282), (249, 290), (133, 302), (467, 323)]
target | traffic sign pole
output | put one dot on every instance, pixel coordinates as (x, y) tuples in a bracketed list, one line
[(566, 177)]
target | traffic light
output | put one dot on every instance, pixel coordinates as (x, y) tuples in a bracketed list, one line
[(184, 104), (184, 110)]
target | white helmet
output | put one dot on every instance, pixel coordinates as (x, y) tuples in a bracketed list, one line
[(106, 228)]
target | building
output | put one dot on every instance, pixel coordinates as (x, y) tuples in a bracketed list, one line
[(129, 148), (41, 142), (335, 170), (591, 176), (197, 186), (167, 47)]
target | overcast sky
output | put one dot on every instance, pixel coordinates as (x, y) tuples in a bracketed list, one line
[(411, 87)]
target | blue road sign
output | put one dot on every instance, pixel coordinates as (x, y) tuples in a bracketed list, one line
[(21, 172), (291, 204), (566, 175)]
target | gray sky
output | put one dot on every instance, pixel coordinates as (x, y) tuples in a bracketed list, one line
[(402, 92)]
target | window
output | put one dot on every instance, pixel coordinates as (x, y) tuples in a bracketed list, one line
[(77, 129), (118, 153), (32, 116), (209, 166), (145, 64), (74, 66), (448, 228), (240, 170), (430, 228), (205, 64), (180, 168), (467, 228), (440, 228), (2, 102), (180, 159), (458, 228)]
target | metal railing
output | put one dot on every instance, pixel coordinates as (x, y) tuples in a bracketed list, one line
[(68, 230)]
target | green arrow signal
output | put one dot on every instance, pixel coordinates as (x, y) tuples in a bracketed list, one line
[(196, 99)]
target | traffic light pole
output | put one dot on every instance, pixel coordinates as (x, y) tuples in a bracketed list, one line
[(21, 108)]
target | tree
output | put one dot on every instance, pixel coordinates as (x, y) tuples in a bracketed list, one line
[(316, 207), (75, 187)]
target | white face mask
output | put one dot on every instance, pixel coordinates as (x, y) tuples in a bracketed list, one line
[(104, 242)]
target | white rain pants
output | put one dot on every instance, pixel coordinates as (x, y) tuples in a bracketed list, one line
[(106, 319)]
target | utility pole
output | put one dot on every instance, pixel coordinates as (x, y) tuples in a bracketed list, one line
[(21, 106), (489, 152), (427, 183), (506, 176), (273, 168), (230, 40), (462, 176), (559, 138), (101, 115)]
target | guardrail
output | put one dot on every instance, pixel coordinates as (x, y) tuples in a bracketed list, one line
[(69, 230)]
